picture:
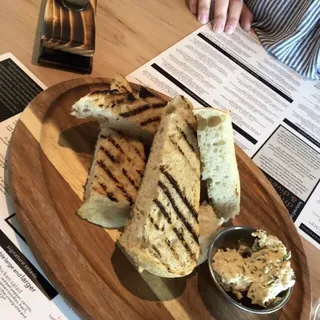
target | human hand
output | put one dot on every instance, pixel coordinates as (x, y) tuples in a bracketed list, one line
[(227, 14)]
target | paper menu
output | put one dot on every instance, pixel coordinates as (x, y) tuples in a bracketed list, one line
[(25, 292), (275, 112)]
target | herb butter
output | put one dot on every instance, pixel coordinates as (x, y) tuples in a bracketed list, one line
[(261, 272)]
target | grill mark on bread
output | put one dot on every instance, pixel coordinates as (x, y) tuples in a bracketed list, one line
[(115, 160), (150, 120), (192, 129), (110, 195), (118, 147), (158, 105), (137, 151), (175, 143), (115, 144), (167, 241), (178, 212), (130, 97), (108, 153), (174, 252), (140, 173), (178, 147), (125, 173), (136, 111), (111, 92), (98, 191), (158, 252), (112, 103), (144, 93), (176, 231), (118, 184), (153, 222), (183, 134), (182, 240), (176, 186), (118, 101), (106, 169), (142, 109), (163, 210)]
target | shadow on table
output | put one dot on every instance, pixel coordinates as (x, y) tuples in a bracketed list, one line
[(146, 286), (81, 138)]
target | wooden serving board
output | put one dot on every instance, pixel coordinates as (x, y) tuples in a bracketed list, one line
[(50, 155)]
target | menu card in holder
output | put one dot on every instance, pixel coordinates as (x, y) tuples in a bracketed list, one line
[(68, 39)]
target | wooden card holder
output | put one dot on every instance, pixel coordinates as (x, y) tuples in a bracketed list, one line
[(68, 39)]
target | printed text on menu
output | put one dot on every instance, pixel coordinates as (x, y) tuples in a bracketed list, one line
[(276, 113)]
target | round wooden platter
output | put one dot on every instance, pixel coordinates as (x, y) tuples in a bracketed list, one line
[(50, 155)]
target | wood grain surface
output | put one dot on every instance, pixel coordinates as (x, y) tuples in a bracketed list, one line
[(50, 156)]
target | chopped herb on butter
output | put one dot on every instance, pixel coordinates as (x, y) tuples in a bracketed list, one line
[(263, 271)]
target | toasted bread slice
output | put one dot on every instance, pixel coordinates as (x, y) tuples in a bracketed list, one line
[(114, 179), (137, 114), (162, 236), (218, 159), (120, 84)]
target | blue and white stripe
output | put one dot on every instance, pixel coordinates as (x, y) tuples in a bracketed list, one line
[(290, 30)]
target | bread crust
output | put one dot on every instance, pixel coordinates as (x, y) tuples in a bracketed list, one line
[(218, 159)]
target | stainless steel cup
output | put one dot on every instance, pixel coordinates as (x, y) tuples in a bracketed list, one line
[(231, 238), (76, 5)]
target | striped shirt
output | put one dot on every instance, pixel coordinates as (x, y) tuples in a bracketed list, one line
[(290, 30)]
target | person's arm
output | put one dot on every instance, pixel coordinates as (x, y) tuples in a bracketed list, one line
[(227, 14)]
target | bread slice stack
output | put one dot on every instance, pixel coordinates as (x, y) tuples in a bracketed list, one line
[(166, 233), (218, 160), (118, 163), (162, 236), (114, 179), (136, 113)]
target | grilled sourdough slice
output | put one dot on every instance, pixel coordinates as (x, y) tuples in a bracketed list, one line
[(120, 84), (218, 159), (162, 236), (114, 179), (137, 114)]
